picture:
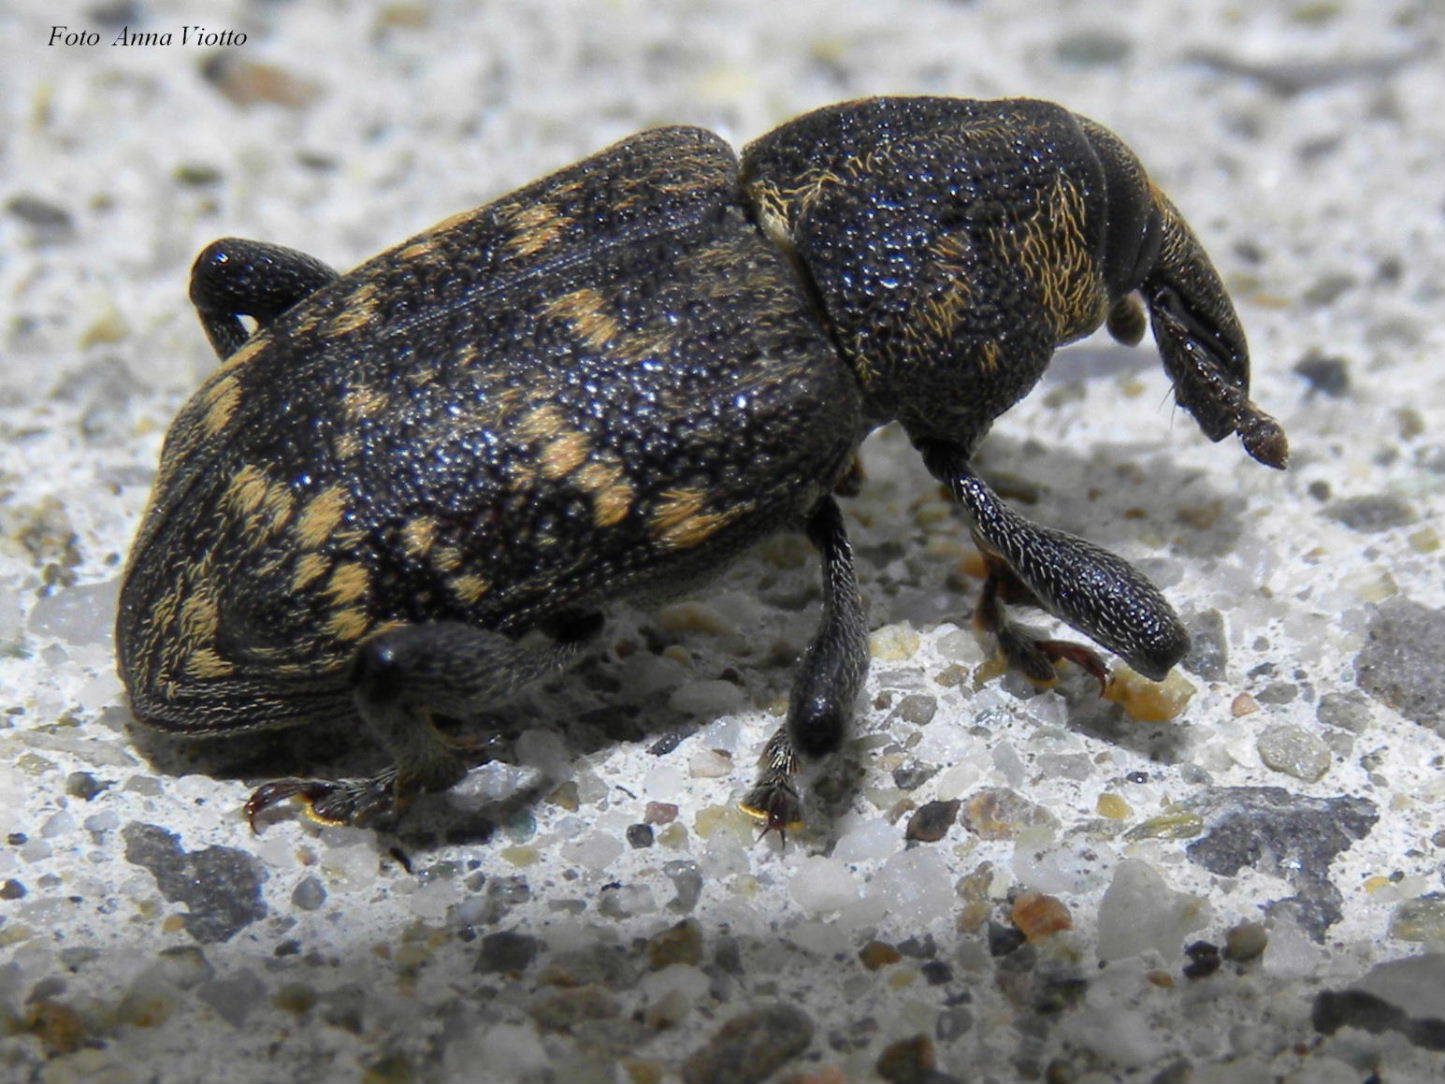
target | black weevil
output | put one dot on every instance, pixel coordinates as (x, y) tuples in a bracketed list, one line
[(414, 488)]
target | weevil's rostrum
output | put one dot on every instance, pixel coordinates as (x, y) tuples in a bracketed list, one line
[(417, 486)]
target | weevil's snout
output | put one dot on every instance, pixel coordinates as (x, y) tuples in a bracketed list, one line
[(1202, 344)]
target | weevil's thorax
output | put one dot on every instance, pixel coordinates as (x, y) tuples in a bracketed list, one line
[(951, 245)]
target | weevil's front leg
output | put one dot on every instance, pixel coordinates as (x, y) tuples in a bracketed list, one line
[(234, 277), (400, 681), (820, 708), (1089, 588)]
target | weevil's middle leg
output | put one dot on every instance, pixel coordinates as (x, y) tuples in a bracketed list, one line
[(820, 708)]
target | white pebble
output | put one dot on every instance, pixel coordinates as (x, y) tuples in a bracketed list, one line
[(821, 885), (1139, 912), (866, 840), (916, 886)]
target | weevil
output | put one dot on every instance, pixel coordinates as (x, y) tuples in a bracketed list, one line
[(414, 488)]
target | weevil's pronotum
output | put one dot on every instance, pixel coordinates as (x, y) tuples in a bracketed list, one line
[(415, 487)]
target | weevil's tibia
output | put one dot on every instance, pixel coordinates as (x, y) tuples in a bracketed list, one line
[(820, 709), (1089, 588)]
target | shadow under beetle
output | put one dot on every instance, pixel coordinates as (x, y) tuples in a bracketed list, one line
[(414, 487)]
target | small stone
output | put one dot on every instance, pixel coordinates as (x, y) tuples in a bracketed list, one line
[(1150, 701), (1204, 960), (83, 785), (1294, 751), (309, 894), (894, 643), (1348, 711), (1279, 692), (1140, 912), (908, 1061), (11, 889), (917, 708), (751, 1047), (686, 880), (659, 813), (1003, 940), (55, 1024), (1243, 705), (1372, 514), (932, 820), (1246, 941), (1113, 807), (937, 973), (680, 944), (48, 222), (1400, 662), (1179, 824), (1000, 813), (249, 82), (1273, 831), (1330, 375), (1039, 916), (1208, 646), (564, 796), (1419, 919), (876, 955), (507, 952), (564, 1009), (639, 836)]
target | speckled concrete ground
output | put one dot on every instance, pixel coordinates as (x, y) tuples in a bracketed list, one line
[(1253, 890)]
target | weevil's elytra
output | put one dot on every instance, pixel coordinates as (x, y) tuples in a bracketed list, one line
[(416, 486)]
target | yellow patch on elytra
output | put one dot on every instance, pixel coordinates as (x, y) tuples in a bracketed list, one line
[(541, 423), (222, 398), (349, 581), (675, 506), (585, 313), (360, 308), (470, 588), (207, 663), (417, 248), (321, 516), (564, 454), (678, 521), (347, 625), (989, 355), (309, 568), (248, 350), (276, 508), (347, 444), (611, 494), (644, 345), (446, 558), (199, 617), (246, 491), (537, 226), (689, 532), (611, 505), (418, 535), (363, 401)]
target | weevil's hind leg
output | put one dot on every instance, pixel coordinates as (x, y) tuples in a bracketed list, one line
[(234, 277), (400, 681), (1089, 588), (820, 708)]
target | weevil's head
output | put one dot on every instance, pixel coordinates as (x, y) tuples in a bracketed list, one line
[(1151, 249)]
